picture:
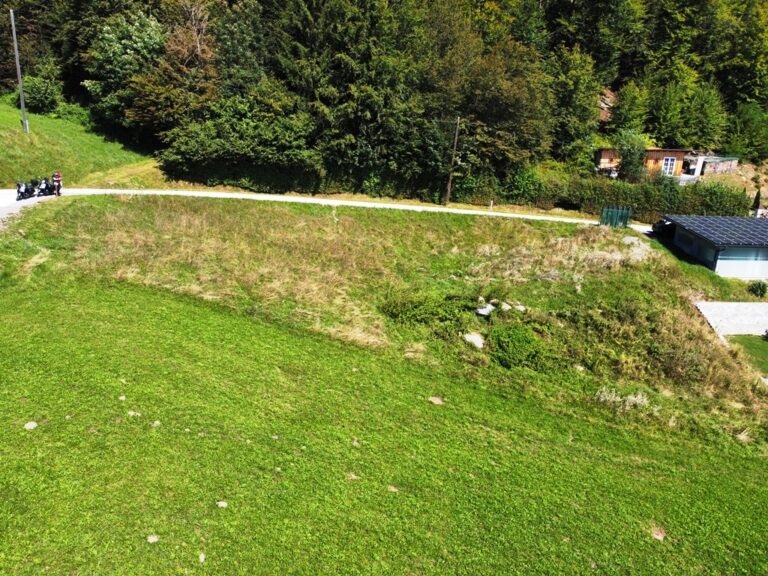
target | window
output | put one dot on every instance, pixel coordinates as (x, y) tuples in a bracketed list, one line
[(669, 166)]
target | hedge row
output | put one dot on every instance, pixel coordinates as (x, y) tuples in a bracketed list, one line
[(649, 200)]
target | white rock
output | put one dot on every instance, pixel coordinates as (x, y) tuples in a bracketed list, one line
[(275, 437), (486, 310), (521, 308), (152, 538), (436, 400), (30, 425), (506, 306), (475, 339), (392, 488), (122, 398), (156, 424), (201, 557), (133, 414), (222, 504)]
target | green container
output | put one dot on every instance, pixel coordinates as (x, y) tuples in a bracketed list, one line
[(615, 216)]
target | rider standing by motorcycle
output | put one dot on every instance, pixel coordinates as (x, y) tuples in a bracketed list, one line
[(57, 183)]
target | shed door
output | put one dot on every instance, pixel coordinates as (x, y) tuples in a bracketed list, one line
[(669, 166)]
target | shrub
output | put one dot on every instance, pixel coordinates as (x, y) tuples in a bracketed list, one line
[(758, 288), (42, 95), (516, 345), (445, 315)]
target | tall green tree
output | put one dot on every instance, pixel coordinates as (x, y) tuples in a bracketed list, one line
[(575, 111), (631, 109), (124, 47)]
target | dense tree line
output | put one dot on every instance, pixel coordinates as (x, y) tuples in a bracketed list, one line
[(364, 94)]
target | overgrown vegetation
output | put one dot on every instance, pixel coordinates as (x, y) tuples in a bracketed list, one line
[(364, 96)]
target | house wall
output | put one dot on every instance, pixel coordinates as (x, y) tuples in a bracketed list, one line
[(654, 160), (696, 247), (744, 263), (607, 160), (721, 166)]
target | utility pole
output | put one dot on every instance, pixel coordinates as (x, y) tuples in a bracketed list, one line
[(24, 122), (453, 161)]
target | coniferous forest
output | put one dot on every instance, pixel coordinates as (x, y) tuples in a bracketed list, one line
[(365, 94)]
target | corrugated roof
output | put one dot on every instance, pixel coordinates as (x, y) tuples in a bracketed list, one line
[(725, 231)]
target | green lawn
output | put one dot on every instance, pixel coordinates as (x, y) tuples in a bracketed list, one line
[(327, 450), (55, 144), (757, 349)]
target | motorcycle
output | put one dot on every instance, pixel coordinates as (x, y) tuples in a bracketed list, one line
[(26, 190), (45, 188)]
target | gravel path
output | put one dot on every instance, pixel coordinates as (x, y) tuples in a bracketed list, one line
[(8, 204), (734, 318)]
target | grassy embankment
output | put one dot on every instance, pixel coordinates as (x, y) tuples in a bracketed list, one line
[(282, 358), (756, 348)]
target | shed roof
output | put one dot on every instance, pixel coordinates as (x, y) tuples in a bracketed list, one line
[(726, 231)]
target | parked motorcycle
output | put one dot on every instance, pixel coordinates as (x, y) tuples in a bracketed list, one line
[(45, 188), (26, 190)]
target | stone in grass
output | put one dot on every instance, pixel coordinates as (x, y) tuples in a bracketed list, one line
[(658, 533), (133, 414), (222, 504), (153, 538), (477, 340), (506, 306), (122, 398), (521, 308), (201, 557), (392, 488), (436, 400), (486, 310), (156, 424), (351, 476), (30, 425)]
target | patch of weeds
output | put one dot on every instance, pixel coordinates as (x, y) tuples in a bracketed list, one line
[(614, 400), (758, 288), (444, 315), (517, 345)]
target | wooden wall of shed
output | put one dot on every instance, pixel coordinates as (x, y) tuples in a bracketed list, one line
[(654, 160)]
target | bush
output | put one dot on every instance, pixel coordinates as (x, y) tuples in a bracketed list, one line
[(758, 288), (445, 315), (649, 199), (516, 345), (42, 95)]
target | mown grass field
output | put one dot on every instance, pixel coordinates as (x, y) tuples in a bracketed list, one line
[(282, 359)]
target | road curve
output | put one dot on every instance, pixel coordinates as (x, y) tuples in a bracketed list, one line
[(9, 206)]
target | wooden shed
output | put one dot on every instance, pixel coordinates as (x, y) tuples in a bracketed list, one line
[(668, 161)]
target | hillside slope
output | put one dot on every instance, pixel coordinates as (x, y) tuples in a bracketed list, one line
[(55, 144), (175, 356)]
